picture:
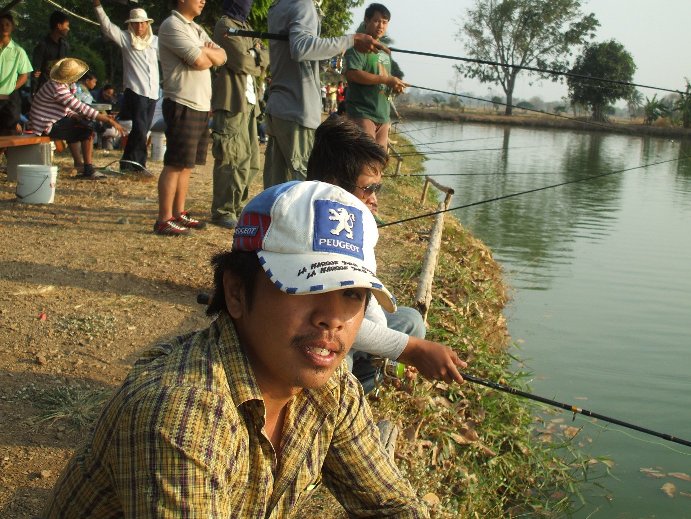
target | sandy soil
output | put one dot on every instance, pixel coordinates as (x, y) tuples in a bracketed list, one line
[(84, 287)]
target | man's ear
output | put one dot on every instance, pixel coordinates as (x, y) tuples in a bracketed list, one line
[(234, 291)]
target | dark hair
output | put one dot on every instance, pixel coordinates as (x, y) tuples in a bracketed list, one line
[(88, 76), (377, 8), (56, 18), (7, 15), (341, 149), (244, 265)]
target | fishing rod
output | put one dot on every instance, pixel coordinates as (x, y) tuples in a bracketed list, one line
[(284, 37), (205, 299), (575, 410), (513, 195)]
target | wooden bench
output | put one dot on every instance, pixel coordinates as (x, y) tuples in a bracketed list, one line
[(25, 149)]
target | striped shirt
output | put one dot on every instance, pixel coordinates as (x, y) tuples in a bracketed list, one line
[(51, 103), (183, 437)]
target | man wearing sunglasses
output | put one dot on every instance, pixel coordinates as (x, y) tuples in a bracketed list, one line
[(345, 155)]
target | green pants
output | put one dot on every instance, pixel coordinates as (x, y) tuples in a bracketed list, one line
[(288, 150), (236, 161)]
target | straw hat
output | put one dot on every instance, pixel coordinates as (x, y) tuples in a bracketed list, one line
[(68, 70), (139, 15)]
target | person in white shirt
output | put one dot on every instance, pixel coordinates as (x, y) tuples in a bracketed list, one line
[(140, 78)]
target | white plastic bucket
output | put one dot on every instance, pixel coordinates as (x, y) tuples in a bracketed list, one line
[(36, 183), (158, 145)]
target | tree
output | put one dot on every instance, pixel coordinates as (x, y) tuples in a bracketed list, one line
[(634, 103), (683, 106), (535, 33), (608, 60), (654, 109)]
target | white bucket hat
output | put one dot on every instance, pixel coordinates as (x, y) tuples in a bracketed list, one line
[(312, 237), (139, 15)]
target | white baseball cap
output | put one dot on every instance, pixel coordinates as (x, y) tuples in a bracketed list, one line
[(312, 237)]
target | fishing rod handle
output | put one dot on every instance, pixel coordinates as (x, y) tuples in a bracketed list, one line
[(256, 34)]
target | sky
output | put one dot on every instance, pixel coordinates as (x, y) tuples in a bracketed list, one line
[(655, 33)]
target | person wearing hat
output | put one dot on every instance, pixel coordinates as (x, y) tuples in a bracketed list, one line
[(140, 74), (14, 72), (56, 112), (242, 419)]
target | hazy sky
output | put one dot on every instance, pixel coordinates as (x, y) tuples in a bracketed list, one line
[(655, 33)]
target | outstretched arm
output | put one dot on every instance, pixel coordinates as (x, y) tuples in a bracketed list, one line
[(433, 360), (109, 29)]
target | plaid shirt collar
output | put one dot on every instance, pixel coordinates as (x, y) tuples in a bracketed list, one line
[(244, 387)]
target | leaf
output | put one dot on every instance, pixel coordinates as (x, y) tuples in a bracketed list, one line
[(679, 475), (652, 473), (669, 489), (431, 499), (459, 439), (570, 431)]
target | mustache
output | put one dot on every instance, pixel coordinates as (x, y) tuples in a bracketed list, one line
[(300, 341)]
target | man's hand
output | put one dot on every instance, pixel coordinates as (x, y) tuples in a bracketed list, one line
[(395, 84), (433, 360), (365, 43)]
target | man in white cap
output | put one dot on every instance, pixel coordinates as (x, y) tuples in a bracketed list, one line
[(140, 79), (247, 417), (56, 112)]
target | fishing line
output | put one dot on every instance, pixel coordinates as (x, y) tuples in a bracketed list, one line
[(512, 195), (535, 69), (284, 37), (446, 142), (435, 175), (559, 116), (575, 410), (651, 442), (442, 152), (71, 13)]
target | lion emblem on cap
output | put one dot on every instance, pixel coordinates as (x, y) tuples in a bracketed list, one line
[(345, 221)]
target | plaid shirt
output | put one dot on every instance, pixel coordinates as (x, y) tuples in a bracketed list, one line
[(183, 437)]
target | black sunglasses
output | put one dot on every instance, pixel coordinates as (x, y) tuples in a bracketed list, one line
[(371, 189)]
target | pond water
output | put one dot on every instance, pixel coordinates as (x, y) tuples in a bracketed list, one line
[(600, 277)]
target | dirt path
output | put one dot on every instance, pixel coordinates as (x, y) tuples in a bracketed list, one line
[(84, 287)]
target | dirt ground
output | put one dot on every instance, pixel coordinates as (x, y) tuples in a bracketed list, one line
[(85, 287)]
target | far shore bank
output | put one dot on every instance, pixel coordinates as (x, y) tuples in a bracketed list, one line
[(528, 120)]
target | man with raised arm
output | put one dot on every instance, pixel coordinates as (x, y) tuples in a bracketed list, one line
[(245, 418), (293, 110), (187, 53), (140, 78)]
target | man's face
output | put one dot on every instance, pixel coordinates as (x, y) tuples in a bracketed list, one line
[(63, 29), (109, 94), (376, 26), (191, 8), (369, 176), (294, 341), (6, 27), (91, 83), (139, 29)]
